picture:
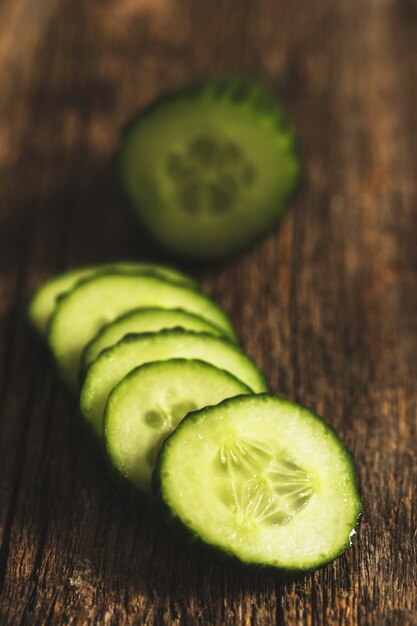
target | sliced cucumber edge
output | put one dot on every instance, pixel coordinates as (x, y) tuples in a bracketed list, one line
[(132, 336), (90, 271), (84, 365)]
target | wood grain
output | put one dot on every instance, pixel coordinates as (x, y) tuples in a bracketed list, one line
[(327, 304)]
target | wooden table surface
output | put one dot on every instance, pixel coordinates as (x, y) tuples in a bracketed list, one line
[(327, 305)]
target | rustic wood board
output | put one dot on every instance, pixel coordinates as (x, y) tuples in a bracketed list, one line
[(327, 304)]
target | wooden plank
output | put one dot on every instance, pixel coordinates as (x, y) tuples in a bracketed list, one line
[(327, 304)]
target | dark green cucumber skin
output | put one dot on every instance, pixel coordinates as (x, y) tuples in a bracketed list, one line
[(112, 272), (131, 337), (237, 89), (108, 267), (134, 495), (192, 538), (84, 365)]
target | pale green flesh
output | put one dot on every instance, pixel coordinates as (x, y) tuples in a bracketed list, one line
[(273, 484), (43, 302), (143, 321), (114, 363), (208, 178), (96, 302), (149, 403)]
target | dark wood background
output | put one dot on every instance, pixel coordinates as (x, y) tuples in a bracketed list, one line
[(327, 305)]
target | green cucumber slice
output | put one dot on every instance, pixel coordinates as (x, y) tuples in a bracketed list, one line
[(146, 406), (263, 479), (44, 299), (144, 321), (133, 350), (80, 313), (210, 168)]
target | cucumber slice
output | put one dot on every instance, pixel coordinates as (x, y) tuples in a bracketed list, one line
[(149, 403), (144, 321), (80, 313), (133, 350), (44, 299), (263, 479), (210, 168)]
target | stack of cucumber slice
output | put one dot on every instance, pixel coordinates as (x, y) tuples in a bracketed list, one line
[(182, 411)]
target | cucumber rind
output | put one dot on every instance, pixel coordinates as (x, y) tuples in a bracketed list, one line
[(250, 95), (87, 359), (87, 396), (71, 377), (43, 300), (194, 535), (216, 89), (122, 480)]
